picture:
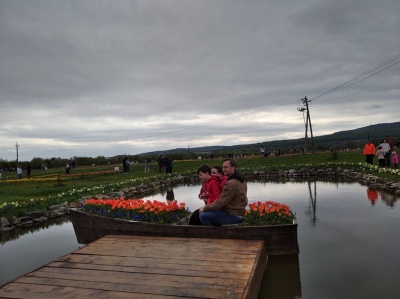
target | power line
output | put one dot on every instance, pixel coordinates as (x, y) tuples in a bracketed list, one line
[(371, 72)]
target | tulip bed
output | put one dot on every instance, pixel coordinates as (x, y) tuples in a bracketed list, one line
[(259, 213), (138, 210)]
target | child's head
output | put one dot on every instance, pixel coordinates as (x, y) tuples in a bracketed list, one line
[(394, 153), (217, 170), (204, 172)]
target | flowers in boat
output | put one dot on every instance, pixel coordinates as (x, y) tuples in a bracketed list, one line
[(137, 209), (268, 213)]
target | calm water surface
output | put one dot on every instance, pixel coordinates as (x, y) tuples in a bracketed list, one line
[(349, 244)]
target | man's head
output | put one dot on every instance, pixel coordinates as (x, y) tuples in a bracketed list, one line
[(229, 167)]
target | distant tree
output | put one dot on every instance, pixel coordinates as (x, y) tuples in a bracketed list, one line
[(100, 160), (36, 163)]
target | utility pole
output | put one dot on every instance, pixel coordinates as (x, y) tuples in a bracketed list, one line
[(17, 146), (307, 123)]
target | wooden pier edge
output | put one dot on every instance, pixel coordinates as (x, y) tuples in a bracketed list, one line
[(253, 288), (244, 254)]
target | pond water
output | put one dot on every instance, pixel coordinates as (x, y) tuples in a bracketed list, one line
[(348, 238)]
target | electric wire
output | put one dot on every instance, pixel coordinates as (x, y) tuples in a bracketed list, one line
[(369, 73)]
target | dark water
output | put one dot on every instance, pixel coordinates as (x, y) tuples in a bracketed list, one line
[(349, 244)]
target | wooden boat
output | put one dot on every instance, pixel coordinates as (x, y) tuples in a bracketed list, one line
[(279, 239)]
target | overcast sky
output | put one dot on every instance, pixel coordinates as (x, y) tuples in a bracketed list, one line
[(103, 78)]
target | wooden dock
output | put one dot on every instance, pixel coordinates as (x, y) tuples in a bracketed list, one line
[(149, 267)]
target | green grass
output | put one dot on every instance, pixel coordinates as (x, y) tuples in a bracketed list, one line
[(52, 187)]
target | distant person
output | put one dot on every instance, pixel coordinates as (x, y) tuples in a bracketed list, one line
[(68, 167), (369, 152), (125, 164), (386, 148), (19, 171), (146, 166), (262, 151), (390, 142), (230, 207), (209, 192), (28, 171), (391, 149), (168, 165), (380, 153), (395, 160), (160, 162)]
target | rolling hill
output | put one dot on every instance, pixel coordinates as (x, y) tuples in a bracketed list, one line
[(351, 139)]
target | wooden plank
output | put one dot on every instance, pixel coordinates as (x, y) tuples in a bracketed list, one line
[(141, 276), (138, 242), (244, 267), (24, 291), (163, 268), (150, 272), (146, 247), (170, 280), (149, 267), (132, 288)]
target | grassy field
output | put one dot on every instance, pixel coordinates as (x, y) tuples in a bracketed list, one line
[(17, 197)]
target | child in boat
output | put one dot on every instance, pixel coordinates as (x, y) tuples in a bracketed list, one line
[(217, 170)]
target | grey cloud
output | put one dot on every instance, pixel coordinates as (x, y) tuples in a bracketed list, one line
[(114, 71)]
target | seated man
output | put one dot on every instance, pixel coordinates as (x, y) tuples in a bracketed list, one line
[(230, 207)]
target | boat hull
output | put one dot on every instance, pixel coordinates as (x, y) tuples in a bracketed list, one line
[(279, 239)]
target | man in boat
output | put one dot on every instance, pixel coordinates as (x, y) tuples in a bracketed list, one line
[(230, 207)]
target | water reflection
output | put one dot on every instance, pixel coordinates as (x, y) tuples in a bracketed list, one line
[(312, 207), (348, 250), (389, 199), (372, 195), (281, 278), (6, 236), (170, 194), (25, 250)]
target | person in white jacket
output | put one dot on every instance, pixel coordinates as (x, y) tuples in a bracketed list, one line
[(386, 148)]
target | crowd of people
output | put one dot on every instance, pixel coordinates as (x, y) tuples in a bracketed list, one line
[(384, 152), (164, 163)]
